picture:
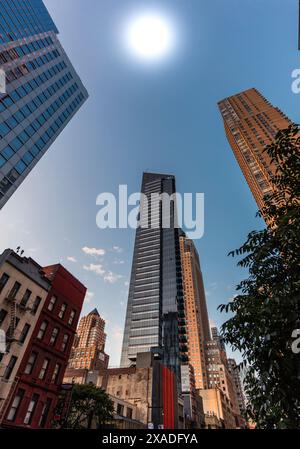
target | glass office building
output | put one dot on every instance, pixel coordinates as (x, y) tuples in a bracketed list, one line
[(43, 91), (155, 310)]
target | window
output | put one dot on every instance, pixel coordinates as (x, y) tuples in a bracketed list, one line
[(65, 342), (7, 152), (45, 413), (3, 281), (24, 333), (14, 290), (52, 303), (31, 409), (44, 369), (25, 298), (20, 167), (30, 364), (62, 310), (72, 317), (129, 413), (54, 336), (3, 314), (36, 305), (10, 367), (5, 185), (2, 161), (16, 144), (15, 405), (42, 330), (55, 374), (120, 409)]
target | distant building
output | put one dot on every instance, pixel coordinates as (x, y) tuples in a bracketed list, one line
[(89, 344), (42, 93), (251, 123), (193, 406), (44, 308), (234, 370), (218, 409), (220, 377), (216, 337)]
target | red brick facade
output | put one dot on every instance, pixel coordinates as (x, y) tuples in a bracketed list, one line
[(43, 366)]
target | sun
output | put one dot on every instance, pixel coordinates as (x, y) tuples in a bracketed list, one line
[(150, 37)]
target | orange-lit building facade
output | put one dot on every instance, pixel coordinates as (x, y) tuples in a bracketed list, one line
[(88, 348), (251, 123), (196, 316)]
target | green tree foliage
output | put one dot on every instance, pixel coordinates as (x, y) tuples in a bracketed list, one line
[(89, 405), (266, 310)]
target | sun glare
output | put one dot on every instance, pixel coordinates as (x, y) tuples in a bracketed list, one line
[(150, 37)]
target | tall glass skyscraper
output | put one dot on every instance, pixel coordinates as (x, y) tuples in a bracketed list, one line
[(155, 310), (43, 91)]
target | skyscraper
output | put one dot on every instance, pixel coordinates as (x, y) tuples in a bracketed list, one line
[(155, 309), (217, 337), (43, 91), (236, 375), (198, 333), (251, 123), (89, 344)]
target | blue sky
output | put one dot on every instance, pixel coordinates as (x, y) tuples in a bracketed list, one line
[(163, 118)]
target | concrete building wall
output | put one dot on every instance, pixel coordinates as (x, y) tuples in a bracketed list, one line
[(132, 385), (215, 402)]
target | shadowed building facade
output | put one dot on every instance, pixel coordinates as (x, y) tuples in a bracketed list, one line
[(251, 123), (43, 91)]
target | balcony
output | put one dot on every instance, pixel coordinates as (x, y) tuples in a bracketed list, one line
[(183, 347), (182, 339)]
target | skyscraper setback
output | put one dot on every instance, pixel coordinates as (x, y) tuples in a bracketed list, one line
[(251, 123), (155, 310), (43, 91)]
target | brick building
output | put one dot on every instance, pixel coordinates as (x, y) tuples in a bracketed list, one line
[(35, 384)]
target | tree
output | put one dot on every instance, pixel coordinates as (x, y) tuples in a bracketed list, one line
[(88, 404), (266, 310)]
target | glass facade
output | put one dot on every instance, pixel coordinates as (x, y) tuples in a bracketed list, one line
[(155, 294), (43, 91), (19, 19)]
